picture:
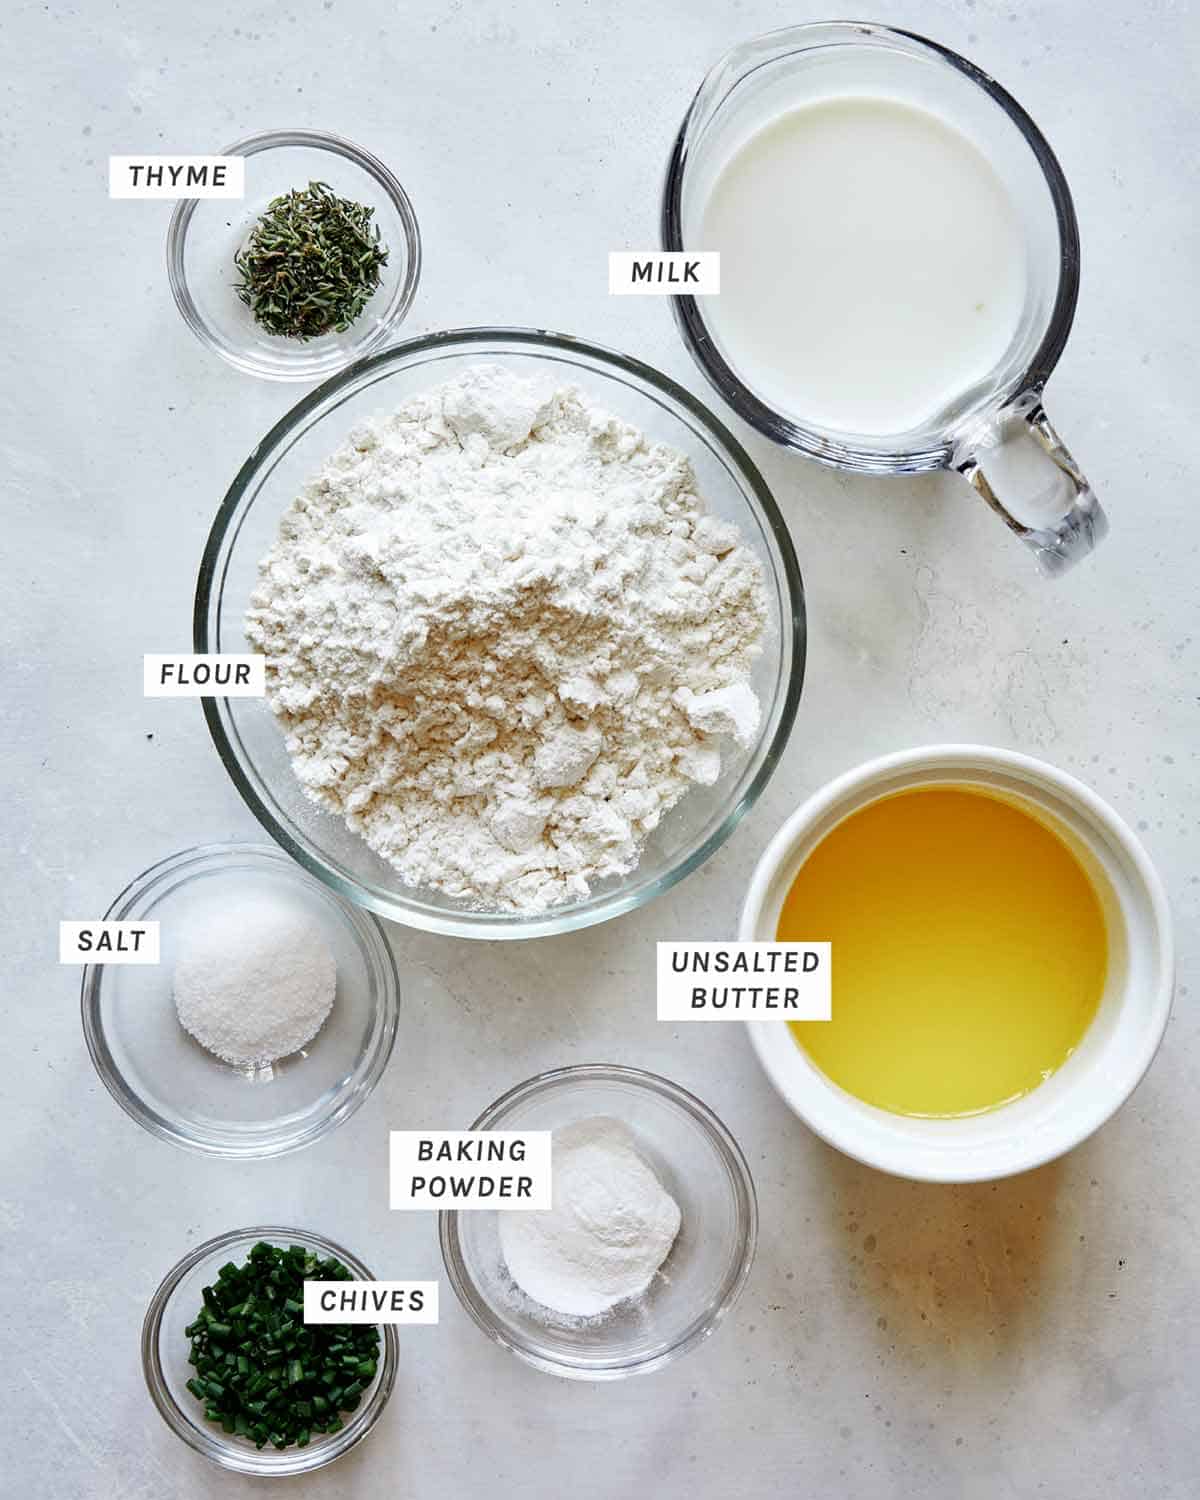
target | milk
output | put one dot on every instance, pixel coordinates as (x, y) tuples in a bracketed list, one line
[(872, 265)]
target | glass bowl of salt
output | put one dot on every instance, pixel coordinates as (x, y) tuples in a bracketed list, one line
[(262, 1097), (598, 1113)]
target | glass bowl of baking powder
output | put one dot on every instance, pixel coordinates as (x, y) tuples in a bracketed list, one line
[(696, 1160)]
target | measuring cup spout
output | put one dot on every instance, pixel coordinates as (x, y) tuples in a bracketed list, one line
[(1022, 468)]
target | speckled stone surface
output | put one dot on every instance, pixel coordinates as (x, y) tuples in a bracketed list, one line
[(1039, 1336)]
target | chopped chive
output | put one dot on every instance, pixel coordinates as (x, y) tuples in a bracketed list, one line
[(263, 1374)]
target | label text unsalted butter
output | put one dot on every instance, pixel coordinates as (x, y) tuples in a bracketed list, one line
[(744, 981)]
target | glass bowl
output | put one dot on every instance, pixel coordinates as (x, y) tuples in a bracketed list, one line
[(245, 731), (206, 233), (180, 1091), (697, 1161), (165, 1350)]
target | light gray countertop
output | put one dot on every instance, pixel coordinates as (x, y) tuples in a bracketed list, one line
[(1034, 1336)]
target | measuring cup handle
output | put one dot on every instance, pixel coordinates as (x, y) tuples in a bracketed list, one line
[(1021, 467)]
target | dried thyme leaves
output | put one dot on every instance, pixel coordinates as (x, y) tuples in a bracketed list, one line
[(311, 263)]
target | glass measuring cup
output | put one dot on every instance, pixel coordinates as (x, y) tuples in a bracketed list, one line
[(995, 433)]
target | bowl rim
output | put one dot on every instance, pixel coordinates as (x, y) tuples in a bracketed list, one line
[(376, 949), (741, 1180), (218, 1450), (501, 926), (337, 359), (837, 1116)]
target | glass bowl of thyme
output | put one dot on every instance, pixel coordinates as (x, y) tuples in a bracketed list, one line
[(236, 1373), (315, 266)]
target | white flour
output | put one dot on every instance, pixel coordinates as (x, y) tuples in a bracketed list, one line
[(612, 1225), (504, 638), (254, 983)]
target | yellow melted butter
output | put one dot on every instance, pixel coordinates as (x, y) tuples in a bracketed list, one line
[(969, 951)]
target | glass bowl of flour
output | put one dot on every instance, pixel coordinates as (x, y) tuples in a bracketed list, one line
[(687, 1162), (184, 1092), (534, 631)]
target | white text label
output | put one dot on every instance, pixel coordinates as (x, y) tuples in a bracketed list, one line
[(108, 942), (507, 1169), (176, 176), (664, 273), (370, 1301), (211, 675), (744, 982)]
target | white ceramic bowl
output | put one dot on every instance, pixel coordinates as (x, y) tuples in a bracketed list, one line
[(1118, 1046)]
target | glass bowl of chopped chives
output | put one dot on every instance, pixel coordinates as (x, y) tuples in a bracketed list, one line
[(317, 264), (236, 1373)]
